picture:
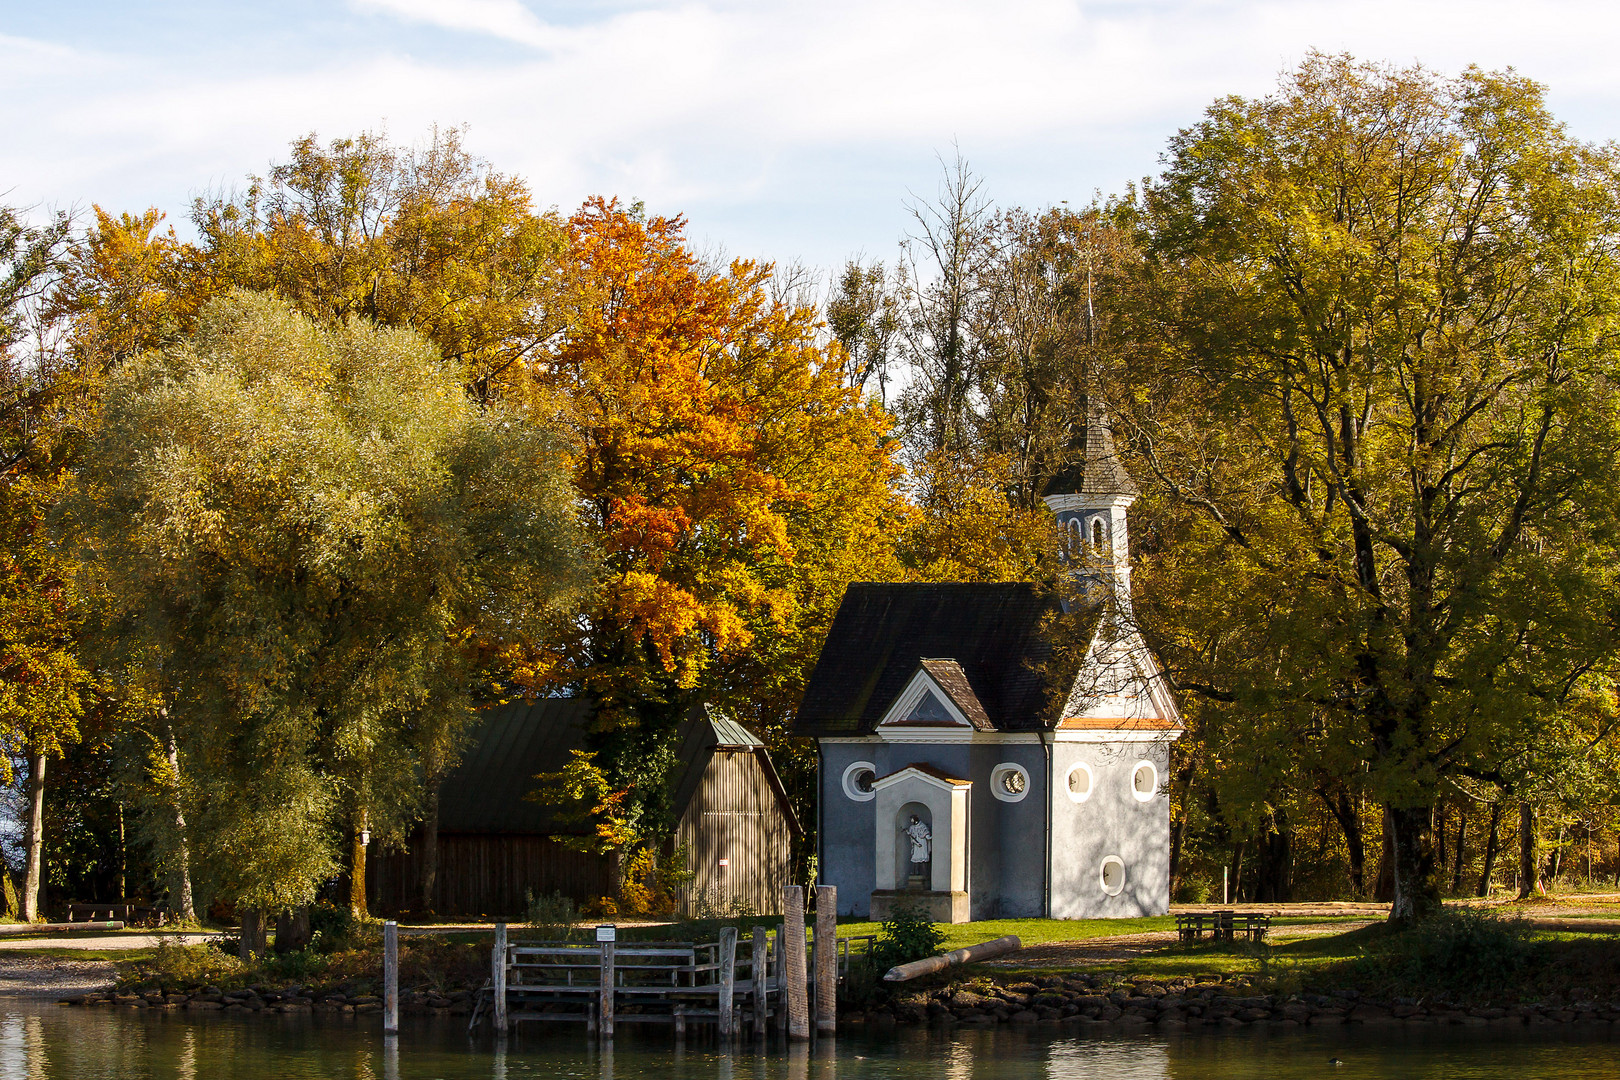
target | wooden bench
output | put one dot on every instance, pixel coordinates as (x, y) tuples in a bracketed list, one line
[(1223, 925)]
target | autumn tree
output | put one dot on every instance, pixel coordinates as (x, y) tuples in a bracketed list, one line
[(731, 483), (310, 537), (45, 688), (1368, 368)]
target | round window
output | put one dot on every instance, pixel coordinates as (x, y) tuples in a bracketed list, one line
[(1080, 780), (1144, 781), (858, 780), (1009, 782), (1113, 875)]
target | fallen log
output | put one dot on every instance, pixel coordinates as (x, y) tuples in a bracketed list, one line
[(52, 927), (982, 951)]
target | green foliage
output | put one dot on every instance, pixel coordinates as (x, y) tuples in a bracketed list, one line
[(1463, 950), (555, 916), (310, 543), (908, 934), (335, 928)]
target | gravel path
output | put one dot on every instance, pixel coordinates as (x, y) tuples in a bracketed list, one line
[(52, 977)]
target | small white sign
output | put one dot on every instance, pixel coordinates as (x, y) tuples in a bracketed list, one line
[(607, 933), (725, 862)]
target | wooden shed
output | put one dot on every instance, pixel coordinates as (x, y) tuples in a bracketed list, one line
[(495, 847), (735, 820)]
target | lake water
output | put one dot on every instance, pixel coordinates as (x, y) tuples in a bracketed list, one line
[(47, 1041)]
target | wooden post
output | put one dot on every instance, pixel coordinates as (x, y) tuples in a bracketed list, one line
[(390, 978), (604, 1006), (826, 959), (498, 978), (797, 988), (728, 980), (762, 981)]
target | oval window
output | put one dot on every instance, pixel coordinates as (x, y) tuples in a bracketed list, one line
[(1080, 781), (1009, 782), (858, 780), (1144, 781), (1112, 875)]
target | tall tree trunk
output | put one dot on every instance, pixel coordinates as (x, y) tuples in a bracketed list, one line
[(1493, 845), (430, 848), (1276, 859), (293, 930), (1439, 826), (1528, 864), (33, 900), (357, 868), (1457, 865), (1179, 828), (254, 928), (1384, 886), (1343, 808), (185, 908), (123, 857), (1417, 893), (1237, 872)]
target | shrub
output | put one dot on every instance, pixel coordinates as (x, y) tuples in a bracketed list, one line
[(1463, 949), (554, 915), (334, 928), (908, 934), (1193, 890)]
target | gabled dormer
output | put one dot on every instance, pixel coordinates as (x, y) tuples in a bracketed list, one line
[(938, 697)]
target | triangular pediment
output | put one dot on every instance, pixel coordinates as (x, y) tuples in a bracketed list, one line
[(927, 702), (1120, 685)]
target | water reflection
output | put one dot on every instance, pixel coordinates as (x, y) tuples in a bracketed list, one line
[(46, 1042)]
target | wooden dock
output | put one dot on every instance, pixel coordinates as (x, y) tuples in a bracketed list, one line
[(740, 984)]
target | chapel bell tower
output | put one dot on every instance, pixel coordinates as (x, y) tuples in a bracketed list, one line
[(1090, 496)]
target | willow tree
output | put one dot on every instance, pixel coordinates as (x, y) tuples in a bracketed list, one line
[(1369, 360), (314, 536)]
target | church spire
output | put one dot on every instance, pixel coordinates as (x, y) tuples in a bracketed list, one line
[(1090, 496)]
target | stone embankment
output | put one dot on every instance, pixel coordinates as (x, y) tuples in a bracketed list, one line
[(1083, 1001), (287, 999)]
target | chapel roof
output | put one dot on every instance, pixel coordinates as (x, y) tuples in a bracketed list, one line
[(993, 634)]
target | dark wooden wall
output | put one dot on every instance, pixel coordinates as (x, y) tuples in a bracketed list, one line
[(735, 815), (487, 875)]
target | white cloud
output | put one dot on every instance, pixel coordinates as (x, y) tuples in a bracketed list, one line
[(508, 19), (788, 128)]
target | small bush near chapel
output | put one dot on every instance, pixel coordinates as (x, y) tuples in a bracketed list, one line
[(908, 934)]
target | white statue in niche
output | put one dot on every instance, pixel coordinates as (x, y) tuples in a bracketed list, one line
[(921, 841)]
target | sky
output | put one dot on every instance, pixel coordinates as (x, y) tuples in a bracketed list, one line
[(784, 131)]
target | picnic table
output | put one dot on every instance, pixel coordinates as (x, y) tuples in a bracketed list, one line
[(1224, 925)]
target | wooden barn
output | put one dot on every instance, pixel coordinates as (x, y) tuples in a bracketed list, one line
[(735, 820), (495, 847)]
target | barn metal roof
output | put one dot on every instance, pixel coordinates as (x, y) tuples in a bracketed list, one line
[(513, 742)]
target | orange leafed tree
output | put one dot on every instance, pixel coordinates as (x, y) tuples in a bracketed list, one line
[(733, 483)]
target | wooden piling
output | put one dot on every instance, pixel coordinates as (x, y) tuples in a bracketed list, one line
[(604, 1006), (826, 959), (796, 988), (762, 981), (498, 978), (728, 980), (390, 978)]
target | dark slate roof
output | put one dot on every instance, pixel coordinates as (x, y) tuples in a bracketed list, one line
[(1092, 465), (883, 632), (513, 742)]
